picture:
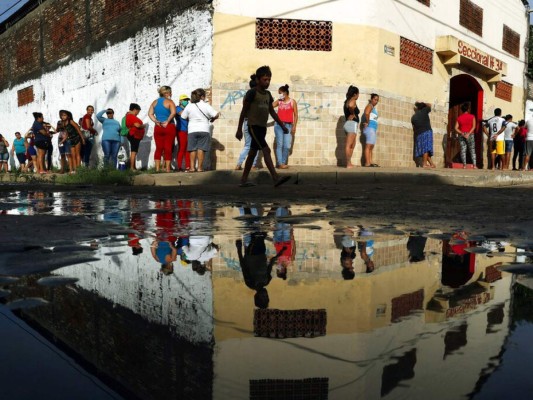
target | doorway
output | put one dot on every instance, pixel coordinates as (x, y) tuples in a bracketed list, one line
[(464, 88)]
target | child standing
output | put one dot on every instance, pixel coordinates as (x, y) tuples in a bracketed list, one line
[(257, 107)]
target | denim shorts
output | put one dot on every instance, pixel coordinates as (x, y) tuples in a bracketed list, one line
[(529, 148), (22, 158), (508, 146), (4, 157), (370, 135), (198, 141), (350, 127)]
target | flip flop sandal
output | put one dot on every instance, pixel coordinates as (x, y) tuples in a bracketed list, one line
[(247, 184)]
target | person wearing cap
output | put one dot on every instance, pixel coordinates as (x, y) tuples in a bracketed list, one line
[(111, 138), (182, 129), (136, 132)]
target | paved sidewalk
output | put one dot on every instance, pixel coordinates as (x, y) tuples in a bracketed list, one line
[(327, 175)]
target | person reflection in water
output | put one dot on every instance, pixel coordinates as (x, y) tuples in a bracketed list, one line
[(348, 252), (256, 270), (163, 249), (283, 237), (199, 251)]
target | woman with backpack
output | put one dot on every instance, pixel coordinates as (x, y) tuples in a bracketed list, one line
[(111, 138)]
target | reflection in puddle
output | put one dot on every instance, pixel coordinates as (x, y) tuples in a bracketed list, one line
[(163, 298)]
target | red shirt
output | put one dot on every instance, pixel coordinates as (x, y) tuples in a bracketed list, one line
[(137, 133), (521, 136), (465, 121), (286, 111)]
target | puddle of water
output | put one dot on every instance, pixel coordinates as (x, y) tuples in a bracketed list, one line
[(178, 298)]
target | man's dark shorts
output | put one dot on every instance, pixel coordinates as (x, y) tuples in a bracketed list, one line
[(258, 134)]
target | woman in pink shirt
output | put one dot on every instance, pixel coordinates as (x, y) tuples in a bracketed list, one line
[(465, 127), (288, 114)]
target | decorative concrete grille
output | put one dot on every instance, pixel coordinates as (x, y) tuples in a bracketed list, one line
[(405, 304), (471, 17), (504, 91), (492, 274), (289, 389), (511, 41), (416, 56), (281, 324), (424, 2), (25, 96), (293, 34)]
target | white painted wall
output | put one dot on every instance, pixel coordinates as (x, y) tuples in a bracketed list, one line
[(167, 55), (407, 18)]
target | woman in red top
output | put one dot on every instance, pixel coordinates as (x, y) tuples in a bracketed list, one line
[(288, 114), (136, 133), (88, 131), (465, 127)]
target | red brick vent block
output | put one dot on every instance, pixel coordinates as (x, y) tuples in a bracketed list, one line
[(424, 2), (416, 56), (117, 8), (24, 54), (468, 304), (25, 96), (281, 324), (64, 31), (289, 389), (511, 41), (405, 304), (492, 274), (471, 17), (504, 91), (293, 34)]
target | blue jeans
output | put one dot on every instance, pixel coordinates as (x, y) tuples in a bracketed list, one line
[(247, 142), (283, 144), (110, 149)]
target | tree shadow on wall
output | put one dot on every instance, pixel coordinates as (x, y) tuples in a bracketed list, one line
[(340, 136), (145, 148)]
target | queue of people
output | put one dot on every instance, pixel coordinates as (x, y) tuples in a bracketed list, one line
[(187, 125)]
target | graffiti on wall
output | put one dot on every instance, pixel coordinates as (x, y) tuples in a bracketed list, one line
[(306, 110)]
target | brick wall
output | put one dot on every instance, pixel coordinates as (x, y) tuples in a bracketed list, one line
[(73, 29)]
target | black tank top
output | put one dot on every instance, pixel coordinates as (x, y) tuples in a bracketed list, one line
[(347, 112)]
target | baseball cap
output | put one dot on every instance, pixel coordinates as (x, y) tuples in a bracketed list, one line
[(184, 97)]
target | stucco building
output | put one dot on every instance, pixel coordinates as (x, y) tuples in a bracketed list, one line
[(68, 54)]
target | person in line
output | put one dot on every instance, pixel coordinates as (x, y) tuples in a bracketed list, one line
[(509, 134), (465, 126), (31, 152), (182, 127), (200, 116), (136, 133), (19, 151), (4, 153), (423, 134), (494, 128), (111, 138), (50, 149), (519, 144), (370, 129), (42, 137), (528, 149), (288, 114), (63, 145), (74, 137), (88, 131), (351, 113), (257, 107), (162, 112), (247, 137), (256, 270)]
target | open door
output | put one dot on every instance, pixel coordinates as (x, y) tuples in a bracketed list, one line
[(464, 88)]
